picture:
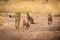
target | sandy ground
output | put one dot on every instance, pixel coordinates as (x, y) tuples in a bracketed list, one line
[(39, 31)]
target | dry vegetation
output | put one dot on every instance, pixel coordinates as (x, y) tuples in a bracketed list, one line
[(41, 6), (39, 31)]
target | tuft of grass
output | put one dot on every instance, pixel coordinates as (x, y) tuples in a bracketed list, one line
[(24, 10), (1, 22)]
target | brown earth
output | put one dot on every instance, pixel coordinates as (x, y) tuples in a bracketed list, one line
[(39, 31)]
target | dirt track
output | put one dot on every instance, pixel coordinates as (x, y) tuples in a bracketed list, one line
[(39, 31)]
